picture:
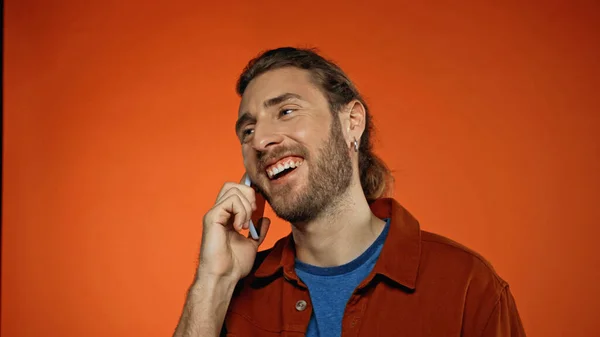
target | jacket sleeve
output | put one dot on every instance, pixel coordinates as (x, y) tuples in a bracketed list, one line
[(504, 320)]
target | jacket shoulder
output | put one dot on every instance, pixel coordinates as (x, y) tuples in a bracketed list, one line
[(438, 248)]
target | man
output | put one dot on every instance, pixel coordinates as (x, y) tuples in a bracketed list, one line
[(356, 263)]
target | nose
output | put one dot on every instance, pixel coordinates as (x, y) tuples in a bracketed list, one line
[(266, 135)]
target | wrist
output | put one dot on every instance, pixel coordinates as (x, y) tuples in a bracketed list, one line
[(212, 281)]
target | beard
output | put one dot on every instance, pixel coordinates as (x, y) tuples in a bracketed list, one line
[(329, 177)]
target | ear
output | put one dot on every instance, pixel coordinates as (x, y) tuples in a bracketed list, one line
[(353, 121)]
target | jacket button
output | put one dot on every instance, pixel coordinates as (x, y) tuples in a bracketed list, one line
[(301, 305)]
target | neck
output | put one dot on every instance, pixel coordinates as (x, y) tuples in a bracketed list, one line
[(342, 232)]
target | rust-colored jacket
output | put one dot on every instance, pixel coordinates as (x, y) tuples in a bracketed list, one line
[(422, 285)]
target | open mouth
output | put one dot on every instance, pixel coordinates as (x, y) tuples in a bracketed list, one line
[(283, 167)]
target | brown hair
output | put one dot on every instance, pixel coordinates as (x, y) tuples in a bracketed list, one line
[(375, 177)]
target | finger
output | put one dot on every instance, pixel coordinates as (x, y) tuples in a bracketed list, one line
[(229, 185), (249, 204), (232, 206), (229, 188)]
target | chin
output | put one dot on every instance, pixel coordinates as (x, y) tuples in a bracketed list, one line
[(284, 196)]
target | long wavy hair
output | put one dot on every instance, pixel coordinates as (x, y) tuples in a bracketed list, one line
[(375, 177)]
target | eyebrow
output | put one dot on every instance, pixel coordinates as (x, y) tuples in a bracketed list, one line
[(281, 98), (246, 117)]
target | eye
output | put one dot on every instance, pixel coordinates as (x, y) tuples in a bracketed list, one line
[(285, 112), (246, 133)]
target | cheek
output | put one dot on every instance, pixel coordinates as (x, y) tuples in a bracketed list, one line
[(309, 131), (248, 156), (301, 133)]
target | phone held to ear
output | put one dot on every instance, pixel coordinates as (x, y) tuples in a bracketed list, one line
[(260, 209)]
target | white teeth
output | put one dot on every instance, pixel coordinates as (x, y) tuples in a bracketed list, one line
[(273, 171)]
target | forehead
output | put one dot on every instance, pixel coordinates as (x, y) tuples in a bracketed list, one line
[(277, 82)]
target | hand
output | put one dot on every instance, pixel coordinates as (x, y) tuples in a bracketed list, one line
[(225, 252)]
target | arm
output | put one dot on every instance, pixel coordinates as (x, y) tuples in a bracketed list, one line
[(226, 256), (504, 320), (205, 308)]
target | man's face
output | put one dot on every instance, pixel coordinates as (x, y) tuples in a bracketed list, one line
[(294, 151)]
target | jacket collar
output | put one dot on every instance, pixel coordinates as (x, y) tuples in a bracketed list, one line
[(399, 258)]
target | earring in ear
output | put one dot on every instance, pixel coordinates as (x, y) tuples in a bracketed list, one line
[(355, 145)]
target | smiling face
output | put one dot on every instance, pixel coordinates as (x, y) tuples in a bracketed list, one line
[(293, 148)]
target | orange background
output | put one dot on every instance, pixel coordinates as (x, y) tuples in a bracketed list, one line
[(119, 132)]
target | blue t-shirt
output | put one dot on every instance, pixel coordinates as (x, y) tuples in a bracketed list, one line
[(331, 288)]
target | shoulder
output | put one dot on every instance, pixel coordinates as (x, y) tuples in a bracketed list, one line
[(451, 258), (442, 248), (469, 279)]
